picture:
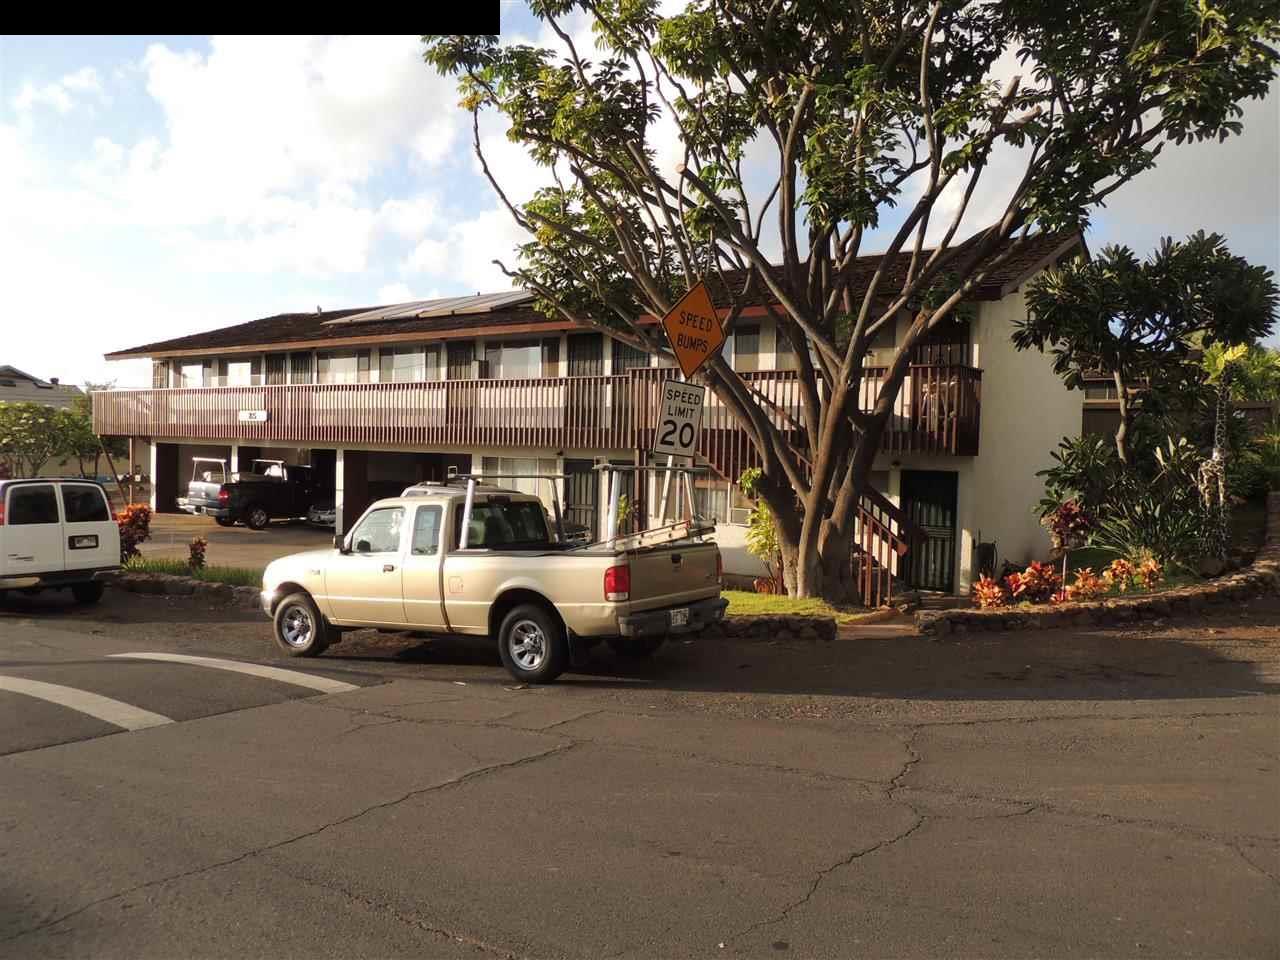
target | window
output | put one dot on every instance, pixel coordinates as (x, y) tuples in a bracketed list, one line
[(276, 368), (426, 531), (514, 359), (1101, 391), (379, 531), (461, 360), (710, 498), (502, 469), (784, 357), (300, 368), (403, 364), (31, 504), (348, 367), (82, 503), (240, 373), (191, 374), (746, 347), (627, 357), (159, 374), (498, 524), (551, 357)]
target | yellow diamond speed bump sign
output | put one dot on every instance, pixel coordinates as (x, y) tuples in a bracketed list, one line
[(693, 330)]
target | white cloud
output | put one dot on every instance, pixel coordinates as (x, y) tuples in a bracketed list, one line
[(411, 218), (60, 95), (430, 255)]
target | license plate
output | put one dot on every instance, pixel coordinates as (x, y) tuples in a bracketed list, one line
[(85, 542), (680, 618)]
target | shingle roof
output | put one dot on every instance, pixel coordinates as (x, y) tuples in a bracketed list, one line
[(510, 313)]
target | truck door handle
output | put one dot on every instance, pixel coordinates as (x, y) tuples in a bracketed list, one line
[(388, 567)]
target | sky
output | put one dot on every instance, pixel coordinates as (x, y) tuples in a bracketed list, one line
[(152, 187)]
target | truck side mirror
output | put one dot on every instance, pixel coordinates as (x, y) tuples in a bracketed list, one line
[(339, 544)]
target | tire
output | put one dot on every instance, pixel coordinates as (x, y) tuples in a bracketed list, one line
[(224, 521), (636, 648), (298, 627), (256, 517), (88, 593), (532, 644)]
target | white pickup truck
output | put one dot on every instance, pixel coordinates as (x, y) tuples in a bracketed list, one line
[(483, 562)]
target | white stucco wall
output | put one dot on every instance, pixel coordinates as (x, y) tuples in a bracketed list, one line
[(1026, 411)]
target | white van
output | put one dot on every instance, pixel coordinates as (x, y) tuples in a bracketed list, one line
[(57, 534)]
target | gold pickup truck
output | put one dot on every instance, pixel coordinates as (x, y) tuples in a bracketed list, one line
[(483, 562)]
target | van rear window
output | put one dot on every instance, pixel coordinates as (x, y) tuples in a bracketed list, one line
[(30, 504), (84, 504)]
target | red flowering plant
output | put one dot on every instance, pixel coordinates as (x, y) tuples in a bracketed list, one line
[(1069, 523), (988, 593), (1149, 573), (1119, 574), (1036, 584), (1088, 585), (196, 549), (134, 522)]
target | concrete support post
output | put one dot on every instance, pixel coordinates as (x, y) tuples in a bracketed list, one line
[(338, 527), (155, 473), (234, 466)]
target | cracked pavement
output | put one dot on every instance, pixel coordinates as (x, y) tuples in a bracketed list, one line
[(884, 795)]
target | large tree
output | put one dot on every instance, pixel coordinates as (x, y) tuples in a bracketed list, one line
[(1138, 321), (851, 107)]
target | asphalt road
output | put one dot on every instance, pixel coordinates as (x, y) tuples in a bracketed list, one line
[(1101, 794)]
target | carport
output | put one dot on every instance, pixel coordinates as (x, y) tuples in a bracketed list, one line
[(364, 476)]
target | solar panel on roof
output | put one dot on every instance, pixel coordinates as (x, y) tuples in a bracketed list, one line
[(442, 307)]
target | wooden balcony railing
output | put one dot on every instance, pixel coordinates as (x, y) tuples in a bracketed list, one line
[(937, 412)]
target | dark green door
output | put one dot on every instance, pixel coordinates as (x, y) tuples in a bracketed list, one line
[(929, 500)]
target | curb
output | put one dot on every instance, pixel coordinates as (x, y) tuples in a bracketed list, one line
[(173, 585)]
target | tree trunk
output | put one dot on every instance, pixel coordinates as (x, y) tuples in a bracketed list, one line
[(1122, 431)]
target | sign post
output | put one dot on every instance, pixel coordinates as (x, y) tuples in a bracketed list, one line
[(694, 332)]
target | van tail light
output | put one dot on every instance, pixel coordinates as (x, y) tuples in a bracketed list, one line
[(1, 508), (223, 495), (719, 568), (617, 584)]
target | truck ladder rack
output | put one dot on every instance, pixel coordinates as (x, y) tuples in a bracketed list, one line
[(683, 530)]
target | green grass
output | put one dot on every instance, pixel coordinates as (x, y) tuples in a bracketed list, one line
[(745, 604), (235, 576)]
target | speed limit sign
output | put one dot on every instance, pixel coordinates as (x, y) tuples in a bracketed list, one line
[(679, 417)]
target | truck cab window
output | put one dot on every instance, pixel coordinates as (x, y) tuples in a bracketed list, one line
[(497, 525), (379, 531), (426, 531)]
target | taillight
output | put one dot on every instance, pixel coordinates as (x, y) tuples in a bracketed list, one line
[(617, 584), (719, 568), (1, 508), (223, 494)]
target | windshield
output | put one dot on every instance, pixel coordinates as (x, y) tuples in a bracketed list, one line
[(501, 525)]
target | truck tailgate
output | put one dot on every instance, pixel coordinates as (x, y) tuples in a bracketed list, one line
[(671, 575)]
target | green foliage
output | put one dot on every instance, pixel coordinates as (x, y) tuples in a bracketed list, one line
[(235, 576), (1086, 469), (1141, 319), (762, 530), (30, 436), (1255, 371)]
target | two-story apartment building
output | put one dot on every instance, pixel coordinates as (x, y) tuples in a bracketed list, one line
[(382, 397)]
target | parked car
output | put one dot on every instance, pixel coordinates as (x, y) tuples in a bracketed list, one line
[(269, 490), (57, 534), (484, 563), (323, 512)]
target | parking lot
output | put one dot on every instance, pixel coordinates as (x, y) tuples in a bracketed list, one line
[(1096, 793), (236, 546)]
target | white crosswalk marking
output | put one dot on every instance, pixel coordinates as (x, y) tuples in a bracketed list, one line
[(323, 684), (104, 708)]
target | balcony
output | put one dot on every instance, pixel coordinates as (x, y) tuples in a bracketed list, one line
[(937, 411)]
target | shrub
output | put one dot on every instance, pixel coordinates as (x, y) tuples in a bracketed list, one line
[(1149, 573), (134, 522), (1036, 584), (1119, 575), (197, 548), (1088, 585), (988, 593), (1069, 523)]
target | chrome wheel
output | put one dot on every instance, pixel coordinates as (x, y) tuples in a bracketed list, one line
[(258, 518), (296, 626), (528, 644)]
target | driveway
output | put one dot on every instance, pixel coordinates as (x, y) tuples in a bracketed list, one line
[(1101, 793), (231, 546)]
